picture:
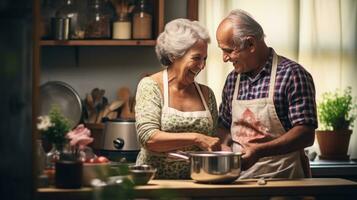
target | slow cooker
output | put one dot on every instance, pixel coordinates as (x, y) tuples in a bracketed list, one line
[(120, 140)]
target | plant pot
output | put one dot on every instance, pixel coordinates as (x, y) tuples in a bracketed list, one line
[(68, 174), (334, 144)]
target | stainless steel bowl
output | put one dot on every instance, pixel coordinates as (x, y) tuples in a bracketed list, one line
[(213, 167), (141, 174)]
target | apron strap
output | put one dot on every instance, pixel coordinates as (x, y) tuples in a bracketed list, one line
[(273, 76), (166, 88), (236, 88), (202, 97)]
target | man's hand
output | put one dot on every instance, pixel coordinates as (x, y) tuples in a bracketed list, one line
[(250, 155)]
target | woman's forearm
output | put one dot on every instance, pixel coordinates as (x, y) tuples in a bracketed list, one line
[(164, 142)]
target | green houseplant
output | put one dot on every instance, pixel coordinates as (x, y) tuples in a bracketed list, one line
[(336, 112)]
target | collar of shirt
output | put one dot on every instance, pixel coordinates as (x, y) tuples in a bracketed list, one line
[(264, 71)]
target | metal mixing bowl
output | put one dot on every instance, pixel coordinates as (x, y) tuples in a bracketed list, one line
[(141, 174)]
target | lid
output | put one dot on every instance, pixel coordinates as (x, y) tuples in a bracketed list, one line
[(65, 97)]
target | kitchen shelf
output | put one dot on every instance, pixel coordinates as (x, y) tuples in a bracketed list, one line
[(97, 42)]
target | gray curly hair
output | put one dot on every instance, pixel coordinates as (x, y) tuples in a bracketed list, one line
[(244, 25), (179, 36)]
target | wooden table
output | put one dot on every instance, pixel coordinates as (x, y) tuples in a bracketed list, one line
[(321, 188)]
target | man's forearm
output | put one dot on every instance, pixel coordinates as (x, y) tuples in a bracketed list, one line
[(295, 139)]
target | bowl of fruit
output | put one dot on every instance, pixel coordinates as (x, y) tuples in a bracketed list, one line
[(95, 168)]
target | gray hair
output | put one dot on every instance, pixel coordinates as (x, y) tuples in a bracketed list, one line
[(179, 36), (244, 25)]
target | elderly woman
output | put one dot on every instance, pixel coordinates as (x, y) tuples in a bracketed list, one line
[(173, 112)]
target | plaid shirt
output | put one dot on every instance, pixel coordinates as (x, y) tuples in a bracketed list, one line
[(294, 93)]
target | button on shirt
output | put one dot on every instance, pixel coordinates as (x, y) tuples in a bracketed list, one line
[(294, 93)]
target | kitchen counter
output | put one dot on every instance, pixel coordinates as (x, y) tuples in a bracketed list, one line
[(325, 188)]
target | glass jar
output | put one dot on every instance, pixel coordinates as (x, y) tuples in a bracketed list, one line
[(51, 157), (98, 20), (122, 27), (71, 10), (142, 22), (40, 157)]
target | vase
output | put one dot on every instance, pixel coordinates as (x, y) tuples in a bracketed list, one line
[(68, 174)]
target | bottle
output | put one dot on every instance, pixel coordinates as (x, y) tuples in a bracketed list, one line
[(71, 11), (40, 157), (98, 21), (122, 27), (48, 11), (142, 22)]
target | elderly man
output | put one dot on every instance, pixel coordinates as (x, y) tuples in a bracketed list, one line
[(268, 108)]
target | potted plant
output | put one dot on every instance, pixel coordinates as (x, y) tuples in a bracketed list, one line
[(336, 113)]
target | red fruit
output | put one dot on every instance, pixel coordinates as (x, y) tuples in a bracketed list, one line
[(102, 159)]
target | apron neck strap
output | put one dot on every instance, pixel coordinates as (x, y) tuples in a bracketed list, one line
[(166, 87), (273, 75), (165, 81)]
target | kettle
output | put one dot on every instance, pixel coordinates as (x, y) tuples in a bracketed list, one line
[(120, 135)]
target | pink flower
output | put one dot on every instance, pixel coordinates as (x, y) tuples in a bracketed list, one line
[(80, 137)]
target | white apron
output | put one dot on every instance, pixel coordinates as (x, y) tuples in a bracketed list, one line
[(169, 111), (257, 121), (177, 122)]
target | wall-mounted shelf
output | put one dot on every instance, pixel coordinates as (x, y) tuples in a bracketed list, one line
[(97, 42)]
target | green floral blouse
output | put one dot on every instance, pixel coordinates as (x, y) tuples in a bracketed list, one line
[(148, 114)]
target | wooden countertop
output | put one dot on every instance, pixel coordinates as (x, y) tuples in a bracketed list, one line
[(320, 187)]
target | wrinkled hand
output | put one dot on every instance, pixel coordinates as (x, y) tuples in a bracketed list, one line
[(225, 147), (250, 155), (208, 143)]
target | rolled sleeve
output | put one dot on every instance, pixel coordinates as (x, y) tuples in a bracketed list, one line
[(147, 109), (301, 98)]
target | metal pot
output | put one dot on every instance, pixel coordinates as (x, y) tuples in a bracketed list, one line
[(120, 135), (212, 167)]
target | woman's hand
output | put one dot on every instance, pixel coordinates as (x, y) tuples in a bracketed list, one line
[(208, 143), (225, 147)]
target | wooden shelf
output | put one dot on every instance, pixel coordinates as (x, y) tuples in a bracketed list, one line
[(97, 42)]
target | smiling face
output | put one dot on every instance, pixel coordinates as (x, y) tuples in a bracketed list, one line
[(191, 63), (239, 56)]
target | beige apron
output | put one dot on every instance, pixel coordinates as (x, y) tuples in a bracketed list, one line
[(257, 121)]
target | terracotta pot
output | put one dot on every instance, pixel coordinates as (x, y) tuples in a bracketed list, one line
[(334, 144)]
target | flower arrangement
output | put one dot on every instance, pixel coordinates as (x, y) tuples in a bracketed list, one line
[(79, 138), (54, 127)]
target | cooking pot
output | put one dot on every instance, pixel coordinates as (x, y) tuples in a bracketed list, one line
[(120, 135), (212, 167)]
